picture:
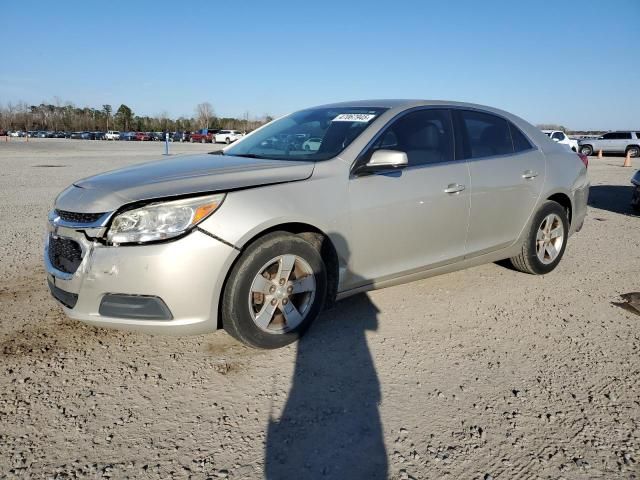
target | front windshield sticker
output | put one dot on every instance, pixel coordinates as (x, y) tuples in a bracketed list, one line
[(354, 117)]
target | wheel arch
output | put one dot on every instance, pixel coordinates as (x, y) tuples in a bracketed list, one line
[(314, 235), (565, 202)]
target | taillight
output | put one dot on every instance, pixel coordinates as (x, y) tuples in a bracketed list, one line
[(584, 159)]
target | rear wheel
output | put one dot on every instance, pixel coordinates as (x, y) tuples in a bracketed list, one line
[(227, 140), (274, 292), (544, 246), (586, 150), (633, 151)]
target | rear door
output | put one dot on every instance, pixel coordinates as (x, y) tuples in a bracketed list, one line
[(408, 220), (507, 174), (621, 141)]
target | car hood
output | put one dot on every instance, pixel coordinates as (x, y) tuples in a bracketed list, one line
[(178, 176)]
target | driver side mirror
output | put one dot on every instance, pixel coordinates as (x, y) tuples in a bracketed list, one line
[(382, 160)]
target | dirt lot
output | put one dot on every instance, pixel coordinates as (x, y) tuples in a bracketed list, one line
[(484, 373)]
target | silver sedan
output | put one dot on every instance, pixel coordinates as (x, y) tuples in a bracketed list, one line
[(259, 238)]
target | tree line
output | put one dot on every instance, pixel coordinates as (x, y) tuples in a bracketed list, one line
[(68, 117)]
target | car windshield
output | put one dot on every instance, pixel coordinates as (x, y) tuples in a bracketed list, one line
[(287, 138)]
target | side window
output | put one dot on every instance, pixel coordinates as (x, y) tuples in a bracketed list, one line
[(486, 135), (625, 135), (424, 135), (520, 142), (609, 136)]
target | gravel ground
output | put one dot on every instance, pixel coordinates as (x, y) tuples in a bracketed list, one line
[(484, 373)]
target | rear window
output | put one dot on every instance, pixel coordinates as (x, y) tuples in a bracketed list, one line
[(520, 141), (485, 135)]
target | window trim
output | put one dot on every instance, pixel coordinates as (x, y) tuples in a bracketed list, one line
[(454, 109)]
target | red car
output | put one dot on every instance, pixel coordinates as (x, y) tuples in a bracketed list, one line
[(202, 137), (142, 137)]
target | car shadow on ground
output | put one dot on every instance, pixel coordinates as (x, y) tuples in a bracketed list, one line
[(614, 198), (330, 426)]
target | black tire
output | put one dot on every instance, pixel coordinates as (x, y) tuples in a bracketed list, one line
[(227, 140), (633, 151), (235, 310), (527, 261), (586, 150)]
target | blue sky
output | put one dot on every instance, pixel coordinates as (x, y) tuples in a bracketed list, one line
[(569, 62)]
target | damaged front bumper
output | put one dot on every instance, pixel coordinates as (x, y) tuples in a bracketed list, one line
[(172, 287)]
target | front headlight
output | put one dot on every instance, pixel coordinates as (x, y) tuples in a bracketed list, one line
[(159, 221)]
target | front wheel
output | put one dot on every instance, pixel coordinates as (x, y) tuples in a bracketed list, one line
[(274, 292), (586, 150), (544, 246)]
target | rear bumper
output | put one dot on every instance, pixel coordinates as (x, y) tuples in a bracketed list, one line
[(580, 200), (186, 275)]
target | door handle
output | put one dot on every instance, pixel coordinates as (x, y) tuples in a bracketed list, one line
[(454, 188), (529, 174)]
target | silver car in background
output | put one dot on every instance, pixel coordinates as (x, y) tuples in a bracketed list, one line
[(258, 238)]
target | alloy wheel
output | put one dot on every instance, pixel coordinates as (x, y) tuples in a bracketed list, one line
[(549, 239), (282, 294)]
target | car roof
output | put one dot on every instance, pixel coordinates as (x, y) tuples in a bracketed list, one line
[(404, 103)]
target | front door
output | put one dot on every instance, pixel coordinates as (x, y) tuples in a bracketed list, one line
[(411, 219)]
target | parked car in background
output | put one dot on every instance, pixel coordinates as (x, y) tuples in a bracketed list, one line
[(98, 135), (3, 132), (562, 138), (313, 144), (635, 193), (112, 135), (80, 135), (613, 142), (127, 136), (142, 137), (59, 135), (179, 136), (227, 136), (157, 136), (259, 240), (205, 135), (17, 133)]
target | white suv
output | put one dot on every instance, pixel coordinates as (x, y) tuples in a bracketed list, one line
[(112, 135), (561, 137), (227, 136)]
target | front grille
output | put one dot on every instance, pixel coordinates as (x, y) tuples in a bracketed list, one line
[(75, 217), (64, 254)]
